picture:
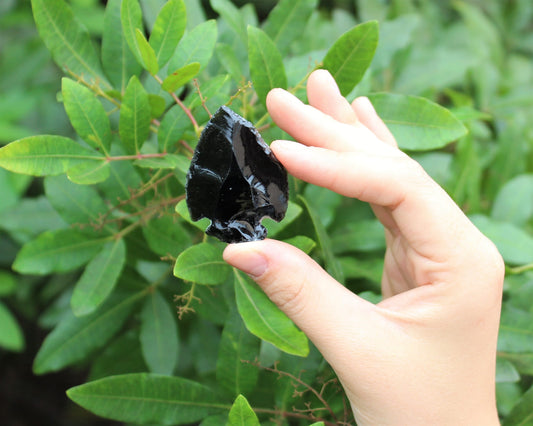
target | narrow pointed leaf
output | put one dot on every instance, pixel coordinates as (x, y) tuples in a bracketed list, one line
[(99, 278), (237, 350), (56, 251), (118, 60), (196, 46), (166, 236), (168, 30), (228, 59), (351, 55), (68, 41), (514, 202), (274, 228), (183, 211), (8, 283), (202, 264), (515, 244), (521, 414), (89, 172), (417, 123), (180, 77), (172, 128), (159, 335), (332, 263), (74, 338), (134, 123), (76, 204), (302, 242), (232, 15), (87, 115), (149, 59), (131, 19), (147, 398), (45, 155), (11, 337), (264, 319), (287, 21), (241, 414), (266, 64)]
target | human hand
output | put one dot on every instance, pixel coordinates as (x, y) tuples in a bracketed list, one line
[(426, 354)]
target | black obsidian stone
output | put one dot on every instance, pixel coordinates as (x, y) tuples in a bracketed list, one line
[(234, 180)]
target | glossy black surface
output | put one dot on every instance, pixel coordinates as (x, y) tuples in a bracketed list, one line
[(235, 180)]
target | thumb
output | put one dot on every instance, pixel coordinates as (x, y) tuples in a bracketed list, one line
[(320, 306)]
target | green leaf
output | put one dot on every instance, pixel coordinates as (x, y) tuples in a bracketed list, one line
[(514, 202), (76, 204), (332, 263), (287, 21), (180, 77), (149, 60), (360, 235), (351, 55), (210, 89), (87, 115), (521, 414), (75, 338), (202, 264), (169, 161), (67, 40), (197, 46), (241, 414), (11, 337), (89, 172), (114, 46), (165, 236), (131, 19), (45, 155), (228, 59), (56, 251), (237, 351), (172, 128), (159, 335), (515, 244), (232, 15), (146, 398), (122, 355), (158, 105), (302, 242), (516, 331), (183, 211), (99, 278), (417, 123), (266, 64), (506, 371), (8, 283), (20, 219), (134, 124), (264, 319), (168, 30), (371, 269), (274, 228)]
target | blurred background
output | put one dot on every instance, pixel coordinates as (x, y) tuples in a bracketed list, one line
[(476, 59)]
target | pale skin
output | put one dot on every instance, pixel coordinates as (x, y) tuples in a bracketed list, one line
[(426, 354)]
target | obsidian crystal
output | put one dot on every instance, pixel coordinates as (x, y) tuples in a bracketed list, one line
[(235, 180)]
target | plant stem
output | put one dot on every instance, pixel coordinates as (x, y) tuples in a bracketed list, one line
[(186, 110)]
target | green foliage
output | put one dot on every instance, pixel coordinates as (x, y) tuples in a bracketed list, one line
[(135, 292)]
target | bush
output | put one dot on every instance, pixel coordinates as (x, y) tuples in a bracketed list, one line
[(106, 256)]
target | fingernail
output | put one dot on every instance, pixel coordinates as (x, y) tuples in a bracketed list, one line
[(247, 260)]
